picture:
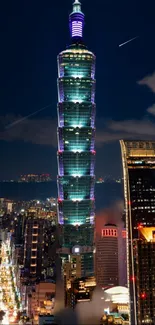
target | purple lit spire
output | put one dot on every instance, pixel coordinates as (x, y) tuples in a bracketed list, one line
[(76, 21)]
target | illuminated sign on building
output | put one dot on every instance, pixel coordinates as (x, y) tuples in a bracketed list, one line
[(109, 232), (124, 233)]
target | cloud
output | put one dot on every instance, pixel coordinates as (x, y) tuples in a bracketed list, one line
[(148, 81), (134, 127), (112, 215), (105, 136), (151, 110), (37, 131), (44, 131), (127, 129)]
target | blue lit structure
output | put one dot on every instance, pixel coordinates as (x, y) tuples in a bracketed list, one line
[(76, 136)]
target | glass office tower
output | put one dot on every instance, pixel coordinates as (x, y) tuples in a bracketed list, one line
[(139, 188), (145, 270), (76, 136)]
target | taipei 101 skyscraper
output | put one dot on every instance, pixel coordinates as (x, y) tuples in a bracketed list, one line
[(76, 154)]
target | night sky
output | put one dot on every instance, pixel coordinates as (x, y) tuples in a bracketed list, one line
[(32, 34)]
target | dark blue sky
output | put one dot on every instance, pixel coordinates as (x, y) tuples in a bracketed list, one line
[(32, 34)]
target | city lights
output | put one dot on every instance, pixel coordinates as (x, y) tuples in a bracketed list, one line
[(9, 297), (139, 181), (77, 238), (143, 295)]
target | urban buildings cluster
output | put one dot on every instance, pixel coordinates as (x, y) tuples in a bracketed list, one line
[(30, 247), (28, 259), (108, 268), (35, 178), (108, 179), (30, 178)]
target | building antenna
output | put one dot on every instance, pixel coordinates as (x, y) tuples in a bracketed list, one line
[(76, 6)]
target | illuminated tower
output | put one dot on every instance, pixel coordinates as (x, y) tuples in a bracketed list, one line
[(139, 189), (76, 135)]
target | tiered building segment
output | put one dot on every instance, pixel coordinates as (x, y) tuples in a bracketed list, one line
[(76, 136)]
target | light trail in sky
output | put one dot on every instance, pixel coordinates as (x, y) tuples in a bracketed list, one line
[(130, 40), (26, 117)]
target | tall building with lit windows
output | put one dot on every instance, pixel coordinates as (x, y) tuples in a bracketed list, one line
[(39, 249), (106, 257), (76, 136), (139, 188), (145, 271), (33, 248)]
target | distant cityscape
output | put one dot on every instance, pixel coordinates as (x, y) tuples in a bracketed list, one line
[(37, 178), (109, 179), (31, 178), (42, 178)]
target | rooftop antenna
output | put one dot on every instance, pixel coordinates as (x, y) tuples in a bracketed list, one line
[(76, 21)]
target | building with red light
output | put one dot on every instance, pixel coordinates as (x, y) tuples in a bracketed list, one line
[(138, 159), (145, 275), (106, 257), (110, 252)]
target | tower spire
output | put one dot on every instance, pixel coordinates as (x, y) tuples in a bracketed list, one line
[(77, 6), (76, 21)]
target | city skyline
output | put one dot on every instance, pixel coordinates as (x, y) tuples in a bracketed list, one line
[(84, 251), (29, 81)]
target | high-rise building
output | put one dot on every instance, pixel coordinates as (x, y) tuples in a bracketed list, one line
[(106, 257), (76, 136), (39, 249), (33, 248), (139, 189), (18, 229), (145, 275), (110, 248)]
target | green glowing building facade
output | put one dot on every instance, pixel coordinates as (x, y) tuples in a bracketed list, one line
[(76, 136)]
